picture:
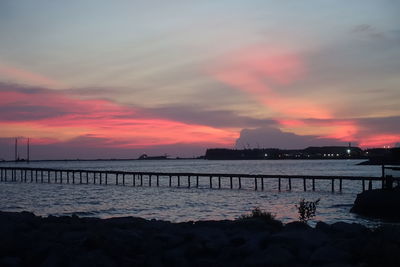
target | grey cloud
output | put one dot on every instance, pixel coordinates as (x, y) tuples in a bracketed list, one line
[(9, 87), (28, 112), (196, 115), (362, 28), (90, 147), (389, 125), (377, 125), (269, 137)]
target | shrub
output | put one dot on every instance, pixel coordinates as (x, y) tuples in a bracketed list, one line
[(307, 209), (258, 213)]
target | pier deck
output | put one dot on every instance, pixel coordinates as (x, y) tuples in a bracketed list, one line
[(172, 179)]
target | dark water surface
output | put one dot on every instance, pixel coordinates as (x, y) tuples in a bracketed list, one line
[(183, 204)]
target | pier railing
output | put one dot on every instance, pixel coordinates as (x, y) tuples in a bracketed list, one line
[(171, 179)]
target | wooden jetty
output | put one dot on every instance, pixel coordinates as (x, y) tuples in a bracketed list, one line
[(189, 180)]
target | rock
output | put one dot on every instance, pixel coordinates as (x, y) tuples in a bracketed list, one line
[(93, 258), (296, 226), (324, 227), (53, 259), (329, 254), (174, 257), (10, 262), (193, 249), (73, 236), (74, 241), (169, 240), (378, 203), (237, 241), (295, 240), (348, 229), (274, 256)]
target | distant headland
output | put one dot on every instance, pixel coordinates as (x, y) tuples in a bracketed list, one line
[(374, 155)]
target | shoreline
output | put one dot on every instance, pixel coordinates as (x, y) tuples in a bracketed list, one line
[(183, 159), (29, 240)]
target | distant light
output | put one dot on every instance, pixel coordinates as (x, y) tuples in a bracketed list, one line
[(265, 155), (337, 155), (348, 151)]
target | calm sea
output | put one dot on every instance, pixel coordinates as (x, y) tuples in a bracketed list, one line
[(183, 204)]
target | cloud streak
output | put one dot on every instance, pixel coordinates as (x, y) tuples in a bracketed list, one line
[(24, 76), (53, 117)]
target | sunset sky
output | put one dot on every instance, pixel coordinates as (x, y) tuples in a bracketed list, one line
[(109, 79)]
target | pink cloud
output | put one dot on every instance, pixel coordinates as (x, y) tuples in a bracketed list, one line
[(259, 70), (111, 124), (360, 131)]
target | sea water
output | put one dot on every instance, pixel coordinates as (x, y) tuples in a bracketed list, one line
[(191, 204)]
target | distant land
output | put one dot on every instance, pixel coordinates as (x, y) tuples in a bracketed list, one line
[(374, 155)]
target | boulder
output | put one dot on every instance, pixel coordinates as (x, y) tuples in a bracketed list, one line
[(329, 254), (348, 229), (378, 203)]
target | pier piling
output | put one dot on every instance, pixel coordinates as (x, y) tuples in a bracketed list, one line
[(25, 174)]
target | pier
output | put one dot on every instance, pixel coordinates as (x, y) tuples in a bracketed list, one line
[(188, 180)]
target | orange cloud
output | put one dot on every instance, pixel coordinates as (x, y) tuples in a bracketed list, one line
[(24, 76)]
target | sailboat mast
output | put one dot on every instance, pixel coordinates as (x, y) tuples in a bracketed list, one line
[(16, 149), (27, 152)]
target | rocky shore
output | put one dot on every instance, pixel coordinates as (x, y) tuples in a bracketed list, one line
[(29, 240)]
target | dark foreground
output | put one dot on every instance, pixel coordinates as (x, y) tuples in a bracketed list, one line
[(28, 240)]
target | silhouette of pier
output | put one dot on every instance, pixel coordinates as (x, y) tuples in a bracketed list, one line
[(170, 179)]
